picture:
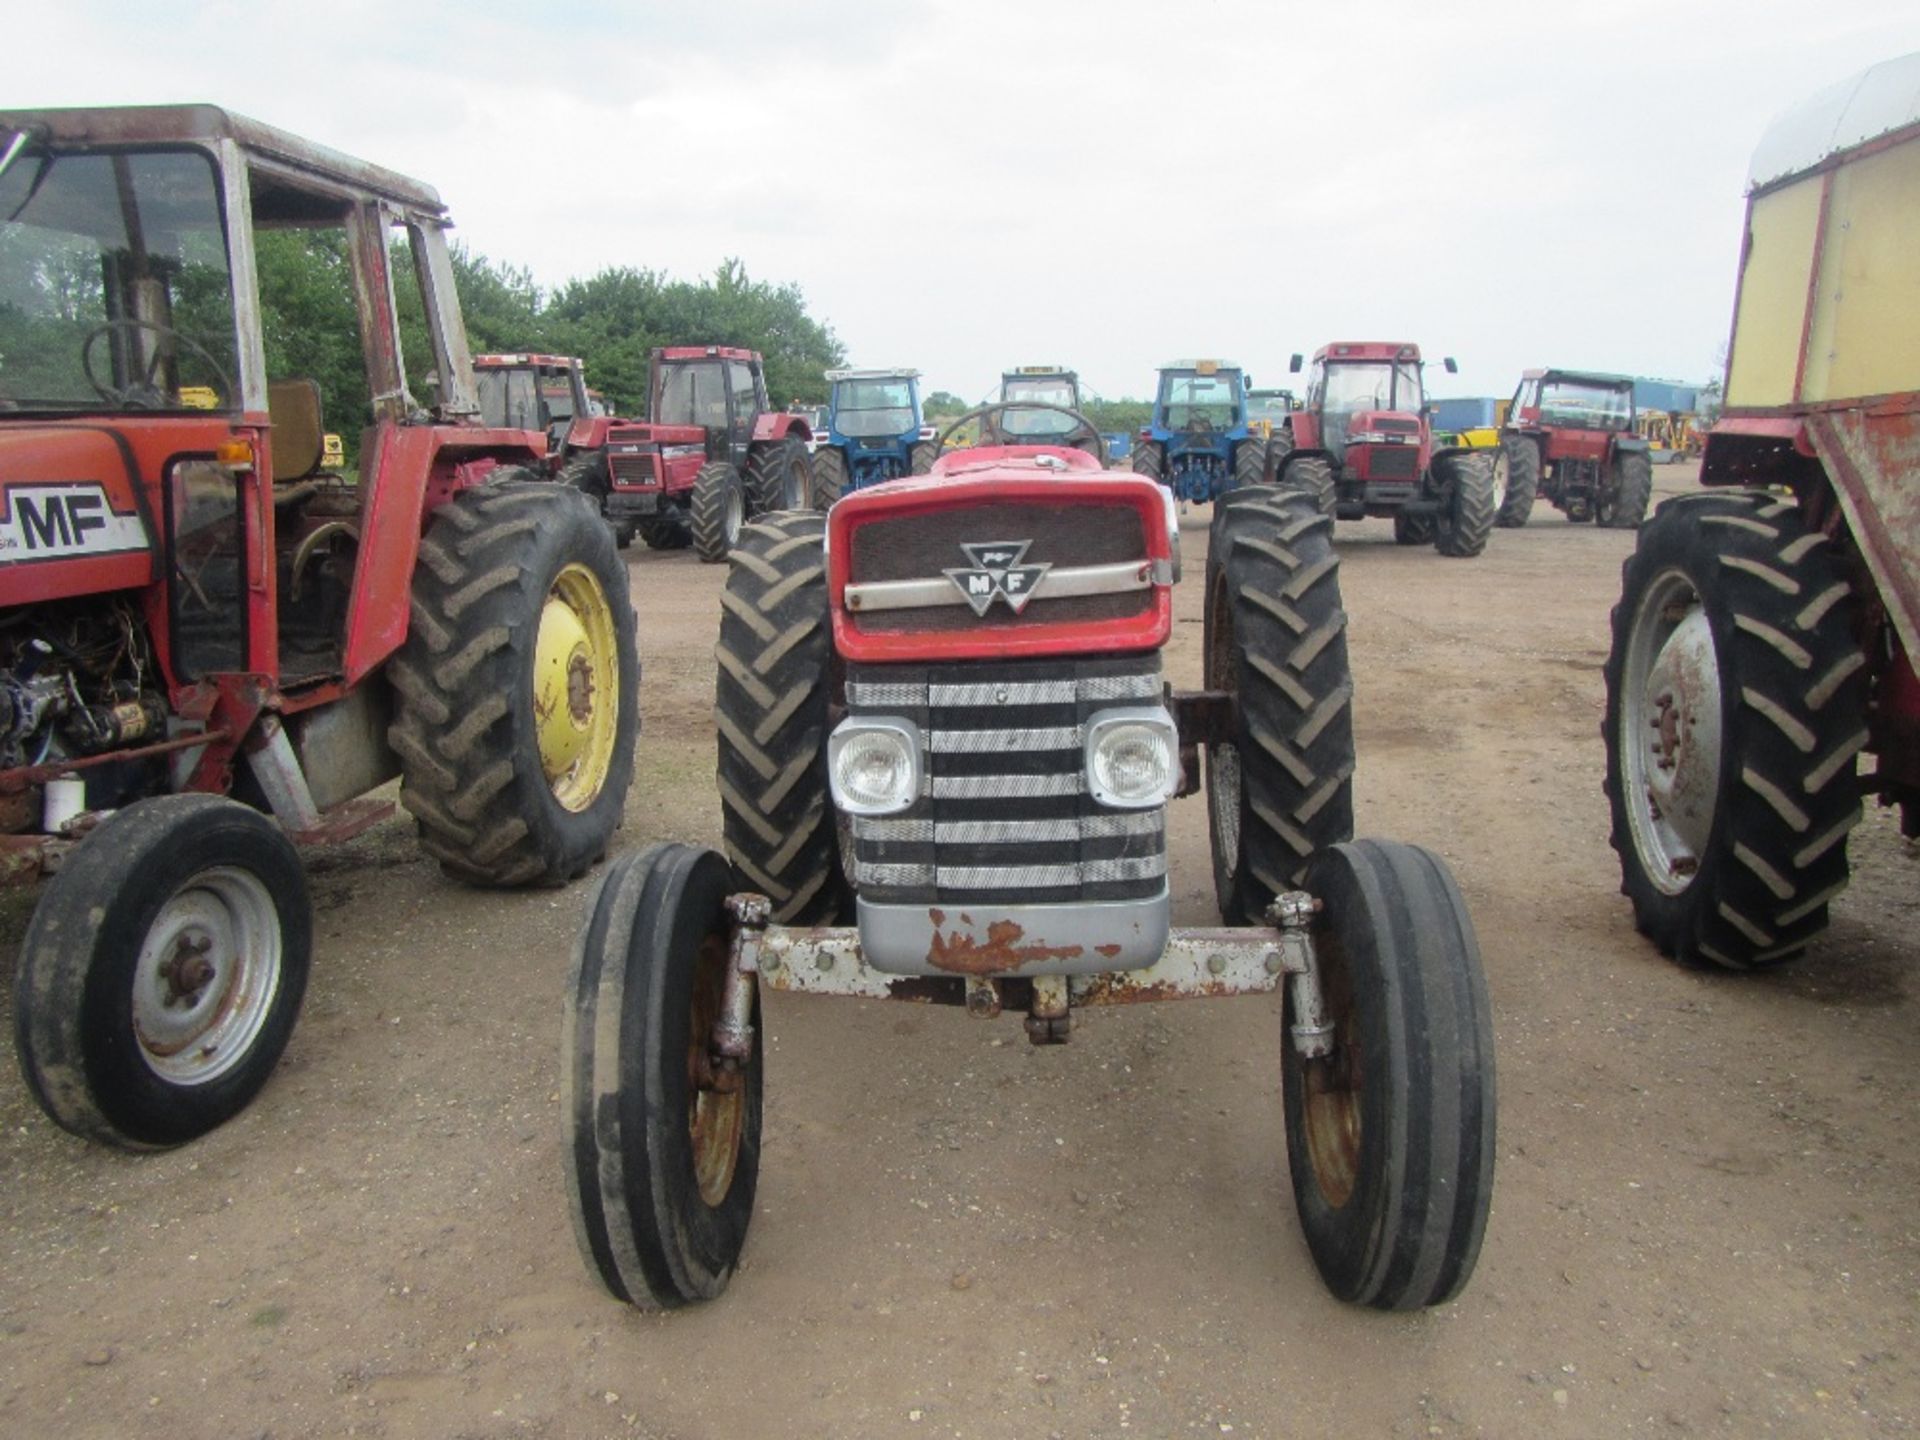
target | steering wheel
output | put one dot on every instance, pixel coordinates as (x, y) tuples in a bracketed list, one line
[(146, 393), (990, 417)]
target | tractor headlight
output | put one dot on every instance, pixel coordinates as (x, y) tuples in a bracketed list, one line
[(874, 765), (1133, 757)]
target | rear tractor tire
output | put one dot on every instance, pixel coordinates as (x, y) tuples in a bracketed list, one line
[(1465, 518), (588, 475), (162, 971), (671, 529), (517, 687), (779, 476), (771, 708), (718, 510), (1736, 705), (1249, 463), (921, 457), (1523, 481), (662, 1141), (830, 478), (1390, 1137), (1622, 505), (1275, 638), (1149, 458)]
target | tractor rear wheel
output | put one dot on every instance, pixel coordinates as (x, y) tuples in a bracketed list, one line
[(830, 478), (779, 476), (662, 1142), (1279, 447), (1275, 638), (1465, 518), (1736, 704), (1622, 504), (1309, 475), (162, 972), (771, 707), (921, 457), (719, 509), (588, 475), (671, 529), (1390, 1137), (1149, 459), (1249, 463), (1523, 481), (516, 688)]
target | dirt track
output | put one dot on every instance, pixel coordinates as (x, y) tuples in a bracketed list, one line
[(1704, 1215)]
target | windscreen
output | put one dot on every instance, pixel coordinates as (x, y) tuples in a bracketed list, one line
[(1045, 389), (1581, 406), (1354, 386), (115, 291), (870, 408), (1188, 400), (693, 393)]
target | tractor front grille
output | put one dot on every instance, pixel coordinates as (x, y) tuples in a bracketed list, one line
[(629, 469), (1392, 462), (1004, 816)]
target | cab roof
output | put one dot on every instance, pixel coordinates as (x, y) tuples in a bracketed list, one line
[(836, 376), (1375, 350), (115, 125), (1560, 372), (703, 352), (502, 362)]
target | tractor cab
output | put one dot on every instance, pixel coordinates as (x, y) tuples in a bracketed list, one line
[(1049, 385), (1199, 442), (533, 392), (1573, 437)]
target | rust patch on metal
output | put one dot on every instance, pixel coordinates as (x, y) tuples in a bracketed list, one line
[(1109, 951), (959, 953)]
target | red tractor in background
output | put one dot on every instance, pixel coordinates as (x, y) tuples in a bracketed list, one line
[(193, 607), (1362, 445), (1571, 436), (711, 452), (549, 393)]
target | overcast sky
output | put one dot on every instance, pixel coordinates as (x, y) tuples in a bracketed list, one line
[(965, 186)]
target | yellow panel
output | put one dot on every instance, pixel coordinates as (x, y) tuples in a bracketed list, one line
[(1773, 295), (1866, 321)]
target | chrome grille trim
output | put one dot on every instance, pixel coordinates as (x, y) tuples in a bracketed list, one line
[(995, 742), (1058, 584), (1012, 787), (868, 694), (1121, 687), (1039, 692), (1037, 877), (908, 832)]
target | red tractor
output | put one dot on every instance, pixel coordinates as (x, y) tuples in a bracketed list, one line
[(549, 393), (947, 743), (1571, 436), (212, 647), (711, 452), (1362, 445)]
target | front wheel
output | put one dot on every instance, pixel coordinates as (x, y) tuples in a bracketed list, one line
[(162, 972), (779, 476), (1736, 703), (1465, 518), (1523, 480), (1623, 499), (1275, 639), (1249, 463), (1312, 476), (662, 1140), (718, 508), (1390, 1137)]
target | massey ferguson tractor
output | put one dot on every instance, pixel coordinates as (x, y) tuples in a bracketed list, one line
[(871, 433), (1571, 436), (212, 647), (549, 393), (947, 744), (711, 452), (1768, 624), (1199, 442), (1362, 445)]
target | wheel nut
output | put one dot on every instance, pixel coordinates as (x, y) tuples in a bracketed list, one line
[(1217, 964)]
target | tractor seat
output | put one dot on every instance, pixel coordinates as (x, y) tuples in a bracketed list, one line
[(293, 410)]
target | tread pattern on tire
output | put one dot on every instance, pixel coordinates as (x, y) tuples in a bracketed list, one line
[(768, 466), (473, 612), (1249, 462), (1632, 490), (707, 510), (1466, 518), (1794, 703), (770, 708), (830, 478), (1312, 476), (1274, 551), (921, 457), (1523, 481), (1149, 458)]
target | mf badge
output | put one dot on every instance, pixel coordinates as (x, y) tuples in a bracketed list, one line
[(997, 574)]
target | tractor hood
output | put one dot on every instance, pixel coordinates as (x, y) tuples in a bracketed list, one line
[(1382, 426), (73, 520), (647, 433)]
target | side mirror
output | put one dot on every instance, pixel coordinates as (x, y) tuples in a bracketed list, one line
[(1452, 369), (1293, 365)]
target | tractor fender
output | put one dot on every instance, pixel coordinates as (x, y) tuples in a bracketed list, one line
[(1308, 452), (774, 426), (1630, 444), (589, 432)]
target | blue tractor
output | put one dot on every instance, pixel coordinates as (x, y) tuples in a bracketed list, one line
[(871, 435), (1199, 443)]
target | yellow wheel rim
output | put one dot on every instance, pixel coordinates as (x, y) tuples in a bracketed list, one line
[(576, 687)]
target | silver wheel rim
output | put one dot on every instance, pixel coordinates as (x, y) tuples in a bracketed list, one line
[(1223, 779), (1670, 740), (793, 494), (1499, 479), (207, 975), (733, 515)]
